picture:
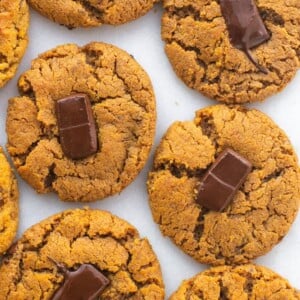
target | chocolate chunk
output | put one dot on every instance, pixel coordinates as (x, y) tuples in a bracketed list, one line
[(77, 130), (85, 283), (245, 26), (222, 180)]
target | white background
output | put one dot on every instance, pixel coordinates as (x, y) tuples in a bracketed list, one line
[(175, 101)]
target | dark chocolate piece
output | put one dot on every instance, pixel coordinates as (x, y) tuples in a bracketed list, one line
[(245, 26), (77, 130), (223, 179), (85, 283)]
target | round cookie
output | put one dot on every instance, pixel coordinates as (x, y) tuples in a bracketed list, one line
[(9, 209), (76, 13), (14, 21), (261, 211), (123, 106), (200, 51), (236, 283), (33, 268)]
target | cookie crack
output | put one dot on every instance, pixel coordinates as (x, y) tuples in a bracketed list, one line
[(93, 11), (183, 12), (270, 15)]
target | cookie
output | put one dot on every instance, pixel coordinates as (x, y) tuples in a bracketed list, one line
[(206, 57), (261, 211), (121, 109), (76, 13), (72, 246), (14, 22), (8, 204), (236, 283)]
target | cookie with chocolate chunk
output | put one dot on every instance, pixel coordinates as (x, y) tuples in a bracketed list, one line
[(225, 187), (233, 51), (14, 22), (81, 254), (236, 283), (77, 13), (84, 123), (8, 204)]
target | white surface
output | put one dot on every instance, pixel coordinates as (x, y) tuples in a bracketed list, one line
[(174, 102)]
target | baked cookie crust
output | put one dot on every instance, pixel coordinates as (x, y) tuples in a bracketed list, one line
[(9, 206), (78, 13), (123, 105), (261, 211), (14, 22), (236, 283), (199, 49), (73, 238)]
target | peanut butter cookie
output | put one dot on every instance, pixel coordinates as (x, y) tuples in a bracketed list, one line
[(208, 57), (261, 210), (14, 22), (55, 258), (77, 13), (8, 204), (236, 283), (84, 123)]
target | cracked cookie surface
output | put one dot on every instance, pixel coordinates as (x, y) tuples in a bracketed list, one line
[(77, 237), (262, 210), (14, 22), (87, 13), (199, 49), (9, 208), (236, 283), (123, 105)]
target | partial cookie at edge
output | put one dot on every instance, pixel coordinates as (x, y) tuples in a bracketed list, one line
[(14, 22), (77, 237), (76, 13), (9, 207), (236, 283), (198, 46)]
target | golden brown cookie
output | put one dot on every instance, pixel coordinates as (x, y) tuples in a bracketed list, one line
[(261, 211), (14, 21), (8, 204), (236, 283), (34, 266), (199, 48), (123, 107), (77, 13)]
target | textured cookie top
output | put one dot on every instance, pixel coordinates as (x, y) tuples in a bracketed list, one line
[(14, 21), (123, 105), (78, 13), (78, 237), (8, 204), (199, 48), (236, 283), (263, 208)]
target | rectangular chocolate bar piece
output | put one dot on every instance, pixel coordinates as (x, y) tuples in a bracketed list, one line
[(244, 23), (222, 180), (245, 26), (77, 129), (85, 283)]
